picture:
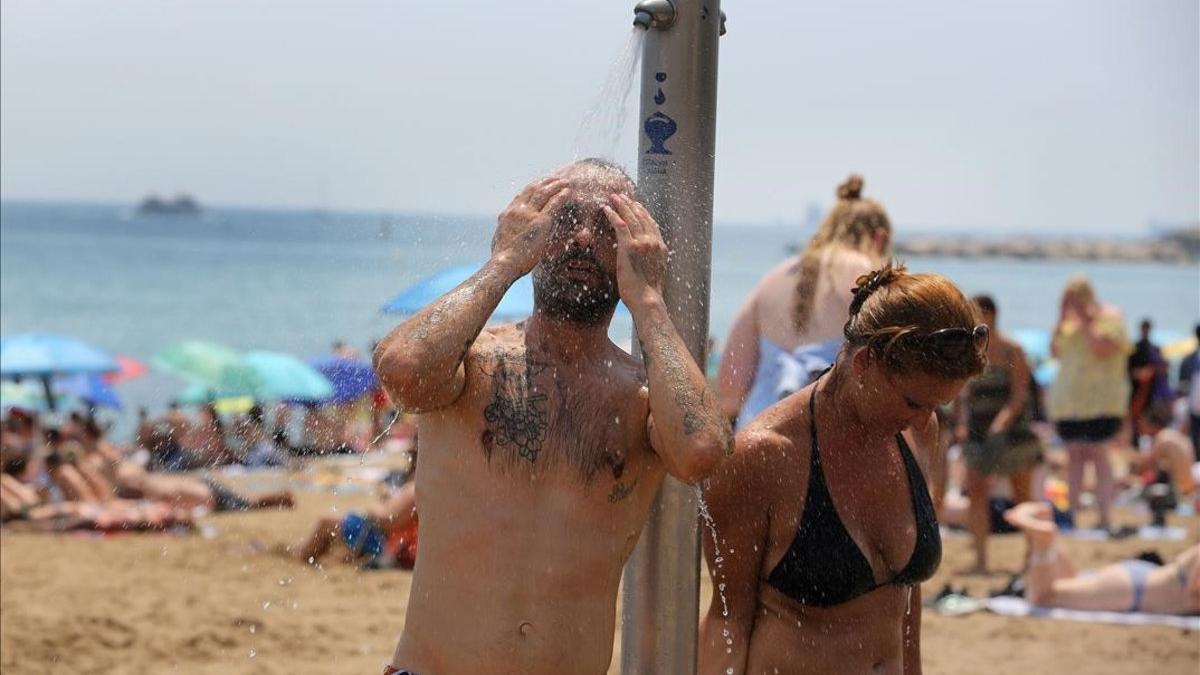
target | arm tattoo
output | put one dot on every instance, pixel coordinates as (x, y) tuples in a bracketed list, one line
[(696, 415), (429, 331)]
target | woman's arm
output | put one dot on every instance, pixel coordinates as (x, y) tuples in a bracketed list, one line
[(739, 361), (1018, 392), (738, 498)]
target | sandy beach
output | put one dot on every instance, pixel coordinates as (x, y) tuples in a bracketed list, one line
[(225, 603)]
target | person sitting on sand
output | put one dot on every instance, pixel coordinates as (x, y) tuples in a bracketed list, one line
[(259, 449), (205, 439), (543, 442), (1127, 586), (384, 536), (1170, 451)]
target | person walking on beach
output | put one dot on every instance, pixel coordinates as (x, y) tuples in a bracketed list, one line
[(1090, 395), (825, 528), (994, 430), (790, 328), (543, 443)]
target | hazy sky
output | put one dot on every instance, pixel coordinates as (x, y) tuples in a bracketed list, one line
[(992, 116)]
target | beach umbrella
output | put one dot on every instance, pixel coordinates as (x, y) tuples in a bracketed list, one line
[(43, 355), (128, 368), (196, 360), (1178, 348), (275, 375), (39, 354), (516, 304), (219, 372), (90, 388), (351, 378)]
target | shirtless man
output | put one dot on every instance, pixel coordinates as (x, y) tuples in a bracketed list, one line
[(543, 442)]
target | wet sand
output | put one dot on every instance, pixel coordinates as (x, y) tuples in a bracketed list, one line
[(158, 603)]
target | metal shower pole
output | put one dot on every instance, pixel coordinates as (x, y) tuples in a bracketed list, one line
[(661, 596)]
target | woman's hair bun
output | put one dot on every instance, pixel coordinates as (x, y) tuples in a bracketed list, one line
[(872, 281), (852, 187)]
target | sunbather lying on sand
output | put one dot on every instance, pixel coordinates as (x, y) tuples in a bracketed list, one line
[(1127, 586), (21, 509), (111, 474)]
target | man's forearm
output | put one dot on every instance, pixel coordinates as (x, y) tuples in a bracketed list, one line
[(438, 337), (685, 412)]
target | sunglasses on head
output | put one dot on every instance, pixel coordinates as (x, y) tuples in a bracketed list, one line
[(957, 337)]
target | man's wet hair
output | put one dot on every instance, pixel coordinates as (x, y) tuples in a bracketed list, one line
[(600, 165)]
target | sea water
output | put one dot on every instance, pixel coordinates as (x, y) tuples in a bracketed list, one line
[(295, 281)]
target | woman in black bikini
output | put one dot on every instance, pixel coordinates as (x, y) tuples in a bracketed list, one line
[(824, 524)]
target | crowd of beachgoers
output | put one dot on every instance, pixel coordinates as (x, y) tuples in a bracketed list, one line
[(964, 435)]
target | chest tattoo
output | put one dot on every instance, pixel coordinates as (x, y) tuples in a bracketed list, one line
[(536, 416), (516, 417)]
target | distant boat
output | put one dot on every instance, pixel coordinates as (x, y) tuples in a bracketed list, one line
[(181, 205)]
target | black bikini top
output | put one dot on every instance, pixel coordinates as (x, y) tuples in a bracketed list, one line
[(823, 566)]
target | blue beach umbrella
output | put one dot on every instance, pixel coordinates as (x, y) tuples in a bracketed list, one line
[(516, 304), (90, 388), (351, 378), (43, 355), (40, 355)]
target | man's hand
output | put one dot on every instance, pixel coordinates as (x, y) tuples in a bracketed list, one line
[(641, 252), (524, 226)]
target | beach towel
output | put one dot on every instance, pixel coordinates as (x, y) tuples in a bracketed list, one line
[(1012, 606), (1147, 532)]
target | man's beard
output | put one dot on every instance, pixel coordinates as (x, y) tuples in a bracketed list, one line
[(588, 303)]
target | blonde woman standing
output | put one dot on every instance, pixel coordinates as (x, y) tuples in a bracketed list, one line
[(1090, 395), (790, 328)]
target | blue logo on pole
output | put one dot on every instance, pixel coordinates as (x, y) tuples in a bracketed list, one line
[(659, 128)]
